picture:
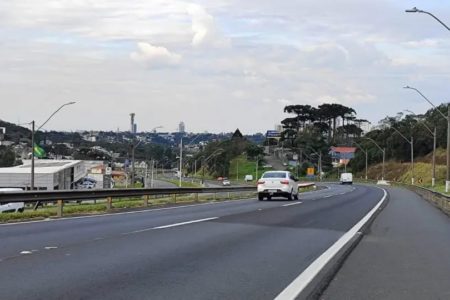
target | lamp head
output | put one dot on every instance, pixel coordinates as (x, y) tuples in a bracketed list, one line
[(412, 10)]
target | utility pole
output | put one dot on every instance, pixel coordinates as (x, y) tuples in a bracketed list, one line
[(32, 154), (181, 160), (257, 163), (153, 167), (237, 170), (447, 181)]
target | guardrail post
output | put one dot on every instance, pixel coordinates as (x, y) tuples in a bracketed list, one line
[(196, 197), (146, 200), (109, 203), (229, 196), (175, 198), (59, 208), (214, 197)]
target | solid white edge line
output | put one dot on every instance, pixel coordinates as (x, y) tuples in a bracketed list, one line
[(290, 204), (123, 213), (301, 282)]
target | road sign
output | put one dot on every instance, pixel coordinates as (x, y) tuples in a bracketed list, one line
[(310, 172), (273, 134), (108, 171)]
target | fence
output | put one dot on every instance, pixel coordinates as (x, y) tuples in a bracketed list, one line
[(60, 197)]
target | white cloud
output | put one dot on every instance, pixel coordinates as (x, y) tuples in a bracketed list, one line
[(205, 29), (154, 56)]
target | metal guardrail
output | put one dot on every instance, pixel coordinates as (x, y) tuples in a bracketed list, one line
[(60, 197), (70, 195)]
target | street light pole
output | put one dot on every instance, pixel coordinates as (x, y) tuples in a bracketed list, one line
[(364, 151), (447, 179), (416, 10), (383, 150), (33, 132), (181, 160), (433, 134), (411, 142), (32, 155)]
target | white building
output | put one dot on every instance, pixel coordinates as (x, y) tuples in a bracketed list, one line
[(48, 174)]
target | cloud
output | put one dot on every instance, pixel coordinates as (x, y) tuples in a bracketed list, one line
[(155, 56), (205, 29)]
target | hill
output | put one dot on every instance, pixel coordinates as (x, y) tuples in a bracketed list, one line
[(15, 133)]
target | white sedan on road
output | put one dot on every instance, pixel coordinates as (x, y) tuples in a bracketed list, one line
[(278, 183)]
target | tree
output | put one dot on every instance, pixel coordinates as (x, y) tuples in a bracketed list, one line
[(7, 157)]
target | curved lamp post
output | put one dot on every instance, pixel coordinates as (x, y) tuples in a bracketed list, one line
[(447, 180), (416, 10), (33, 132), (382, 150)]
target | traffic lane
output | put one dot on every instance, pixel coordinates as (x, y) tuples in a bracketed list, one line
[(38, 235), (403, 256), (252, 256)]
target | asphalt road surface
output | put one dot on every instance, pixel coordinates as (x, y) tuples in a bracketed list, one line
[(404, 255), (239, 249)]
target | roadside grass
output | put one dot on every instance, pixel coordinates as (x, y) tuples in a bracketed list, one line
[(241, 166), (121, 204), (184, 183)]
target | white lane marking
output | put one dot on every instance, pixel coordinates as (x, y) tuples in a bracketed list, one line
[(302, 281), (171, 225), (124, 213), (290, 204), (26, 252), (328, 196), (50, 247)]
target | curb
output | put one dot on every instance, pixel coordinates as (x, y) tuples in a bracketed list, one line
[(319, 284)]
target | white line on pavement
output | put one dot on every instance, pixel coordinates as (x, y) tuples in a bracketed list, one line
[(290, 204), (301, 282), (171, 225), (125, 213)]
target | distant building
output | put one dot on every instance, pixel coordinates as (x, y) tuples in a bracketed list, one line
[(48, 174), (133, 126), (278, 127), (181, 127)]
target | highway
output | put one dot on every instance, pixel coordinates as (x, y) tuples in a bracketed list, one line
[(239, 249)]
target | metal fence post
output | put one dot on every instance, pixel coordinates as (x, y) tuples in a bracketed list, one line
[(109, 203), (59, 209)]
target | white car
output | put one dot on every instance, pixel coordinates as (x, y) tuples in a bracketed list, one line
[(11, 207), (278, 183), (226, 182)]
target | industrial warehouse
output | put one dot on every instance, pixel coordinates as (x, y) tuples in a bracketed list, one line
[(49, 175)]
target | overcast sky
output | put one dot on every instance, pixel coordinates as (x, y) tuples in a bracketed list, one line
[(216, 64)]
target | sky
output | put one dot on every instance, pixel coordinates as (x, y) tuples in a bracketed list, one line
[(217, 65)]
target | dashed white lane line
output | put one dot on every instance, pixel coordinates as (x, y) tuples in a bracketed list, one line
[(26, 252), (125, 213), (171, 225), (290, 204), (302, 281), (50, 247)]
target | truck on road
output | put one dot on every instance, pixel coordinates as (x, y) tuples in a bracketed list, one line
[(346, 178)]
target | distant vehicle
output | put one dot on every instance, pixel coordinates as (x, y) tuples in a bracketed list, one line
[(267, 166), (11, 207), (346, 178), (285, 164), (248, 178), (277, 183), (87, 185), (219, 178), (226, 182)]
